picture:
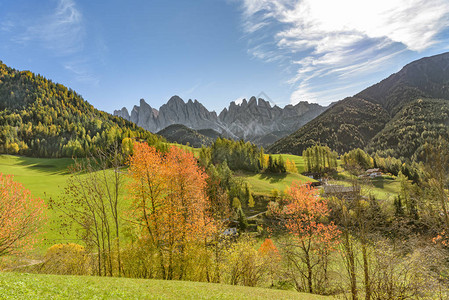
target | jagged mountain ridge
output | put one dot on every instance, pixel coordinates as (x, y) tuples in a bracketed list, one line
[(254, 120)]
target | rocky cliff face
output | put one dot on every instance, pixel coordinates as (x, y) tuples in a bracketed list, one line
[(123, 113), (254, 120)]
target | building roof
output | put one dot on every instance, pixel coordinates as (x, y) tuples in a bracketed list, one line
[(340, 189)]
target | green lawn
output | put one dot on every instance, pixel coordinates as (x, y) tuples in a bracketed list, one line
[(31, 286), (263, 184)]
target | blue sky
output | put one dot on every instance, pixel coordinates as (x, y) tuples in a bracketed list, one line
[(115, 52)]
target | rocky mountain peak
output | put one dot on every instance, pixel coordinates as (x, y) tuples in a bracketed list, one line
[(250, 120), (263, 103), (175, 101), (123, 113)]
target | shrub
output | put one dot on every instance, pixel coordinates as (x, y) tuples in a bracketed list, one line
[(67, 259)]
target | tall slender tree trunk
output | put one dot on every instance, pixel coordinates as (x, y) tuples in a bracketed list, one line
[(350, 262), (366, 271)]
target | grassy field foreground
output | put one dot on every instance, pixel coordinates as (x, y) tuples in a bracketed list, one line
[(32, 286)]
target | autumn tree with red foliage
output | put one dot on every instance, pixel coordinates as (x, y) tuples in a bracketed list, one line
[(21, 216), (169, 204), (311, 238)]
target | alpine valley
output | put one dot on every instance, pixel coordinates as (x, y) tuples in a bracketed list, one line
[(348, 200)]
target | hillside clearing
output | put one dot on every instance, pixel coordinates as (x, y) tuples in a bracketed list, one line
[(264, 184)]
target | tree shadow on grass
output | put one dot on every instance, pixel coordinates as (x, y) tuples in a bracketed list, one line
[(378, 183), (273, 178), (57, 166)]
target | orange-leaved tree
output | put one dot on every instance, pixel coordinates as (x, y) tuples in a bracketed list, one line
[(21, 216), (311, 237), (169, 204), (271, 258)]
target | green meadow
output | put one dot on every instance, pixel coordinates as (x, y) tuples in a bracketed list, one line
[(33, 286), (264, 184), (45, 178), (385, 187)]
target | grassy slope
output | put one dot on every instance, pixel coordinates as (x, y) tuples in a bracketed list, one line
[(195, 151), (263, 184), (30, 286), (384, 188), (45, 178)]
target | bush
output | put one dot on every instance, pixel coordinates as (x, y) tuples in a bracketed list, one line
[(67, 259), (244, 264)]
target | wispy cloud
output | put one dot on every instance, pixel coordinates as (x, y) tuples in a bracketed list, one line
[(81, 71), (61, 31), (6, 25), (339, 39), (192, 89)]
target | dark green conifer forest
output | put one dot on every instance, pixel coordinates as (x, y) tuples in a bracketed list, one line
[(45, 119)]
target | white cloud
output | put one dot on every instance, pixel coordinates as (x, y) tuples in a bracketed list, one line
[(239, 100), (6, 25), (61, 31), (342, 38)]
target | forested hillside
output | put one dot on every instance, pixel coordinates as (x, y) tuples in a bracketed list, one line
[(181, 134), (375, 118), (349, 124), (418, 122), (41, 118)]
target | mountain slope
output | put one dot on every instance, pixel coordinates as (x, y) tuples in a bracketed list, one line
[(353, 122), (181, 134), (426, 77), (417, 122), (349, 124), (46, 119)]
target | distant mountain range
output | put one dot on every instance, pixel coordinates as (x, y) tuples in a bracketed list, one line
[(254, 120), (393, 117)]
